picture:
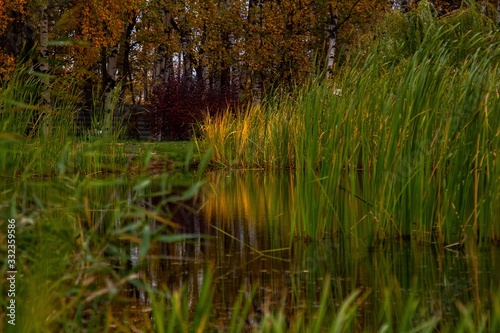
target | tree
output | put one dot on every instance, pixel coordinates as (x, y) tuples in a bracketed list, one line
[(228, 45), (15, 35), (98, 33)]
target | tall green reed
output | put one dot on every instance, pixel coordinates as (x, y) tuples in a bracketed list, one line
[(402, 144), (33, 145), (72, 222)]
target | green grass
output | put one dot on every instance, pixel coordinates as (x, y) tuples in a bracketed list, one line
[(172, 155), (402, 143)]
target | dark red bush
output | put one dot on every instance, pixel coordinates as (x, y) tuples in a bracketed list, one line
[(177, 105)]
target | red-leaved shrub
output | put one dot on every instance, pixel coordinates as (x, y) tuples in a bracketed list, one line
[(181, 102)]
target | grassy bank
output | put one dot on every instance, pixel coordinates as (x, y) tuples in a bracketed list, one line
[(401, 143)]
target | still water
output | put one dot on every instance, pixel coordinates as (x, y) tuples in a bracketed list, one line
[(247, 215)]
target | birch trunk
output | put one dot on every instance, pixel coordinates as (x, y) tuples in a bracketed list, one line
[(112, 65), (256, 89), (255, 17), (332, 43), (164, 65), (235, 69), (396, 5), (159, 67), (186, 62), (401, 5), (126, 67), (109, 98), (44, 69)]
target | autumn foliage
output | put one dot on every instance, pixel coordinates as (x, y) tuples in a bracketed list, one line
[(178, 54), (10, 11)]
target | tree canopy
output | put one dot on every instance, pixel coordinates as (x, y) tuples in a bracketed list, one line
[(250, 44)]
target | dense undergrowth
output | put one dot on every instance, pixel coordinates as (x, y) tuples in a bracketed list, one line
[(402, 143)]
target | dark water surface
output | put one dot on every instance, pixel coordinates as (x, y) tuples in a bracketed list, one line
[(248, 217)]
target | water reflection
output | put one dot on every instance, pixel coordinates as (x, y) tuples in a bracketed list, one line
[(247, 214)]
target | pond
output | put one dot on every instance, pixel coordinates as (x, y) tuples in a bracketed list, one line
[(247, 214)]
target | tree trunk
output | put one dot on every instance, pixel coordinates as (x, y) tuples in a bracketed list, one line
[(126, 70), (110, 91), (235, 75), (332, 42), (164, 66), (257, 88), (186, 61), (255, 17), (108, 69), (159, 67), (396, 5), (44, 69), (112, 65), (401, 5)]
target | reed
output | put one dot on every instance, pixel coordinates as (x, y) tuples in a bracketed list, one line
[(334, 295), (401, 144), (236, 143), (70, 239), (172, 313), (39, 140), (75, 205)]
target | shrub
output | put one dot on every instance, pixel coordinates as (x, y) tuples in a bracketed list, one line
[(177, 105)]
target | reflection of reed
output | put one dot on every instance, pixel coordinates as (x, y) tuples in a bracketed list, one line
[(249, 205), (253, 208), (437, 282)]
